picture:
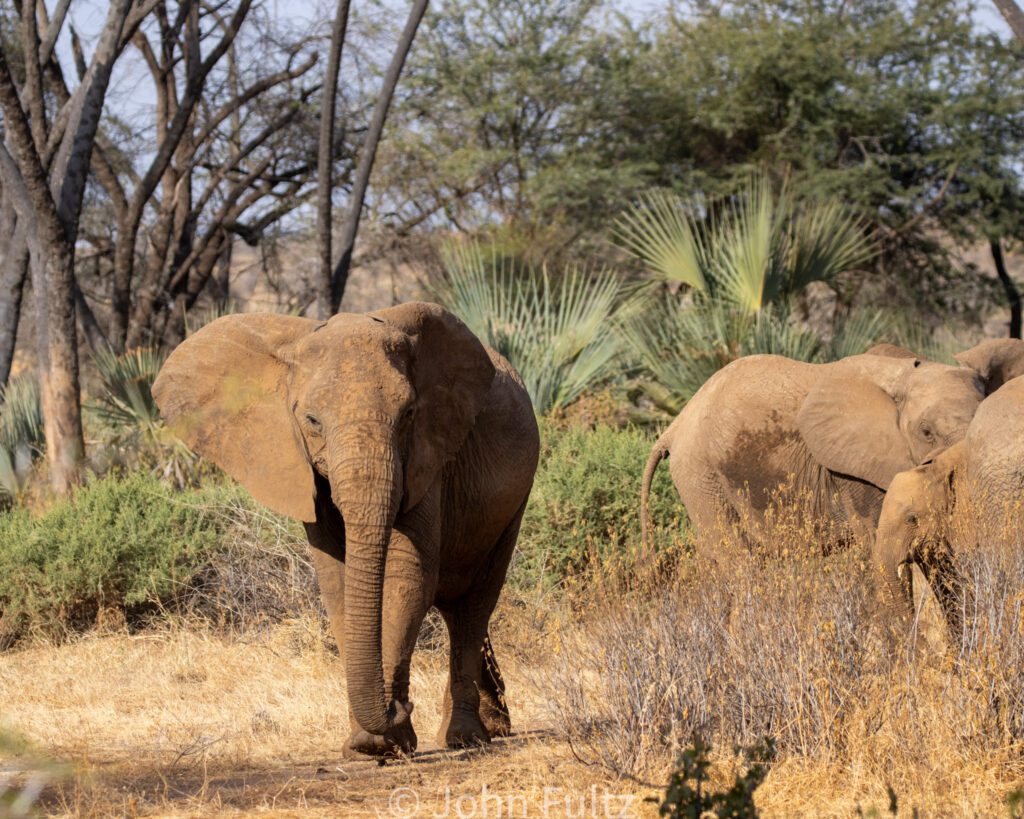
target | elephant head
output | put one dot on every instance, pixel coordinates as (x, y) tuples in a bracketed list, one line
[(872, 416), (996, 361), (375, 404), (916, 526)]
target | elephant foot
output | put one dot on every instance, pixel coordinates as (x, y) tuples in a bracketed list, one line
[(495, 718), (464, 730), (398, 741)]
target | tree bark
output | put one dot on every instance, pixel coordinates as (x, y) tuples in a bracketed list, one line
[(325, 159), (369, 152), (13, 272), (1013, 15), (1009, 287)]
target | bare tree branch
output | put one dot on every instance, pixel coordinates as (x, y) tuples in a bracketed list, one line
[(1013, 15), (369, 152), (325, 158)]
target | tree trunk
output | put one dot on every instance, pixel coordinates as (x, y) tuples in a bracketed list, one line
[(13, 272), (369, 152), (325, 159), (60, 391), (1009, 287), (1013, 15), (222, 274), (52, 266)]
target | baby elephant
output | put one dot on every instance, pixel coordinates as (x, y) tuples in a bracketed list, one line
[(963, 497), (408, 450)]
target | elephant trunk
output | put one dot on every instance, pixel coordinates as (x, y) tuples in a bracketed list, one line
[(366, 487), (892, 559)]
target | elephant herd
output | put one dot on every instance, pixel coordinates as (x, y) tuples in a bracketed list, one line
[(408, 450), (917, 458)]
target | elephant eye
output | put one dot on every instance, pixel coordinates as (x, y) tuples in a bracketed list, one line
[(912, 519), (928, 434), (313, 421)]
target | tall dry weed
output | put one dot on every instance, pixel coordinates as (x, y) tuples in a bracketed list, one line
[(780, 638)]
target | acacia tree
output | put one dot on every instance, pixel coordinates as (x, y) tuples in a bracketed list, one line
[(241, 162), (44, 165), (1015, 19)]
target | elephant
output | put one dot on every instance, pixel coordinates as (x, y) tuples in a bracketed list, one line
[(835, 434), (408, 450), (960, 498)]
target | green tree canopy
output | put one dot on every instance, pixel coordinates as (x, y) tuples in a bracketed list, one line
[(554, 116)]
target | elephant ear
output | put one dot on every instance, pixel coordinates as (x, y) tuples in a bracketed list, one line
[(223, 391), (996, 361), (851, 426), (891, 351), (452, 375)]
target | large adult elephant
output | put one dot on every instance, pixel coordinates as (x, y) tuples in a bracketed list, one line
[(834, 434), (970, 494), (408, 449)]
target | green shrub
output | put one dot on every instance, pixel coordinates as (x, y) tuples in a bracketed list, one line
[(683, 799), (119, 543), (584, 511)]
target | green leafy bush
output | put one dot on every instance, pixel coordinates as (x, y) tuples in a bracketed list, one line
[(698, 799), (126, 547), (584, 511), (117, 544)]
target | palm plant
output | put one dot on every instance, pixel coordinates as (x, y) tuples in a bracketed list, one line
[(751, 250), (679, 348), (741, 260), (557, 331), (126, 399), (125, 407), (21, 432)]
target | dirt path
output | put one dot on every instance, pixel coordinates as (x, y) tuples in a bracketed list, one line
[(190, 724)]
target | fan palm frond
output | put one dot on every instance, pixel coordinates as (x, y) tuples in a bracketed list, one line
[(556, 331), (21, 431), (665, 232)]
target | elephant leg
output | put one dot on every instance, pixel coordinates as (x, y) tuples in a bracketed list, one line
[(475, 709), (493, 711), (493, 706), (410, 581), (329, 563)]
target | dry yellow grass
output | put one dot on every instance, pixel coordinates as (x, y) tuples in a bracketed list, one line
[(186, 722), (190, 721)]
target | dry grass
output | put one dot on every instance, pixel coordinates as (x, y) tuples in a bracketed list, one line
[(606, 684), (191, 722), (788, 644)]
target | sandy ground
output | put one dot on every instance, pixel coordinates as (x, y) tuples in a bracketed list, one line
[(182, 723), (187, 722)]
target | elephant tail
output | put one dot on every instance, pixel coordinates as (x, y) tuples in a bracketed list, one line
[(659, 452)]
